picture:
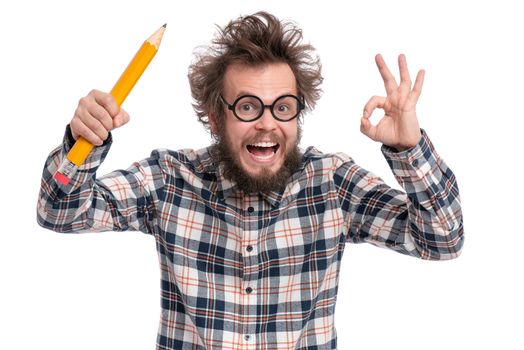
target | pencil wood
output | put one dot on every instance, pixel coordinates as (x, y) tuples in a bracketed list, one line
[(79, 152)]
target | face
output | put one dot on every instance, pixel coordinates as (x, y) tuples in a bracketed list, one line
[(259, 149)]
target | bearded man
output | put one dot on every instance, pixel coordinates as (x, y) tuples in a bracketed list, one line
[(250, 231)]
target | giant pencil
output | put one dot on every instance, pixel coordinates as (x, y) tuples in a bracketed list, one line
[(79, 152)]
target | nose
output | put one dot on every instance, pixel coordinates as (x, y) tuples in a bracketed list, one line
[(266, 121)]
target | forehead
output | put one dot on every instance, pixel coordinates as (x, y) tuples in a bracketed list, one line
[(266, 81)]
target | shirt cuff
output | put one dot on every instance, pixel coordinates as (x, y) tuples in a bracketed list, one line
[(96, 155), (414, 162)]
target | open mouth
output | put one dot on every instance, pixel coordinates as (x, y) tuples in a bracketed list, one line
[(263, 150)]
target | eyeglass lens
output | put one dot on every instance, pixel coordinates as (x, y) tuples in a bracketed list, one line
[(251, 107)]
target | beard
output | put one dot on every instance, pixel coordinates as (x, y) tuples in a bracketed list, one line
[(266, 180)]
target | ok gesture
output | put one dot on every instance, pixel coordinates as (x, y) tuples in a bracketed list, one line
[(399, 126)]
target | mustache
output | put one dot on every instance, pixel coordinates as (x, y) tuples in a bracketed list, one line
[(265, 136)]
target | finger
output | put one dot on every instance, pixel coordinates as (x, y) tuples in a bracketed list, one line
[(120, 119), (80, 129), (373, 103), (105, 100), (404, 72), (389, 80), (94, 125), (368, 129), (417, 89), (101, 114), (419, 81)]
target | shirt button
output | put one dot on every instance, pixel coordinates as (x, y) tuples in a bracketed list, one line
[(249, 248), (250, 209), (414, 163), (247, 337), (249, 290)]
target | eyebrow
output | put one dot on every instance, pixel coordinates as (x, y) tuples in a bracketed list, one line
[(245, 92)]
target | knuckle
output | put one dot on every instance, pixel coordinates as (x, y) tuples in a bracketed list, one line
[(371, 101), (109, 100), (75, 121), (83, 102), (106, 98)]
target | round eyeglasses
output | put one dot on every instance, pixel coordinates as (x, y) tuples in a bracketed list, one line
[(248, 108)]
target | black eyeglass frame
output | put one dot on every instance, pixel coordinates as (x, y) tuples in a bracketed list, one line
[(232, 107)]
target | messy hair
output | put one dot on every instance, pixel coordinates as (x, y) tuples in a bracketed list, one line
[(252, 40)]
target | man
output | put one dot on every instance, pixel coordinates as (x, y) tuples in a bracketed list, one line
[(250, 231)]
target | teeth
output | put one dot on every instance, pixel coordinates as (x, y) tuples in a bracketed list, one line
[(264, 144), (260, 157)]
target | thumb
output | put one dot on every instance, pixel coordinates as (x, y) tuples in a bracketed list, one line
[(120, 119)]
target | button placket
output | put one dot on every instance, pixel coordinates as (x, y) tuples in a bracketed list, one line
[(251, 207), (250, 211)]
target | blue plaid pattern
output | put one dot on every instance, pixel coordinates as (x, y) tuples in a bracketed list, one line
[(258, 271)]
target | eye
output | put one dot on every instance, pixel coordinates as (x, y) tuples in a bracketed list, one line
[(283, 108), (246, 107)]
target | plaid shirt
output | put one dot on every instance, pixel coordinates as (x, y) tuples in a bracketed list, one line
[(258, 271)]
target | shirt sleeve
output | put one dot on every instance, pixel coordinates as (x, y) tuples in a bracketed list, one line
[(425, 221), (122, 200)]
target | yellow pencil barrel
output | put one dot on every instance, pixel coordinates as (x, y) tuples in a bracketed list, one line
[(80, 150), (133, 72)]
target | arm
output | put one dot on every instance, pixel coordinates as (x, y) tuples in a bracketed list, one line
[(424, 222), (119, 201)]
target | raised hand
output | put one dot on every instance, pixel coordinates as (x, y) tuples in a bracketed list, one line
[(96, 115), (399, 126)]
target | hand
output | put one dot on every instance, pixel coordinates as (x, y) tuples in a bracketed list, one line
[(96, 115), (399, 126)]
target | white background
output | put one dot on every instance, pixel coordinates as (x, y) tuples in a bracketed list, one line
[(101, 291)]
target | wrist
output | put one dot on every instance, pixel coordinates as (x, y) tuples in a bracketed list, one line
[(69, 137), (410, 143)]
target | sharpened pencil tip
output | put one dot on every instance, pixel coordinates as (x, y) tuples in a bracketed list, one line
[(164, 25)]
